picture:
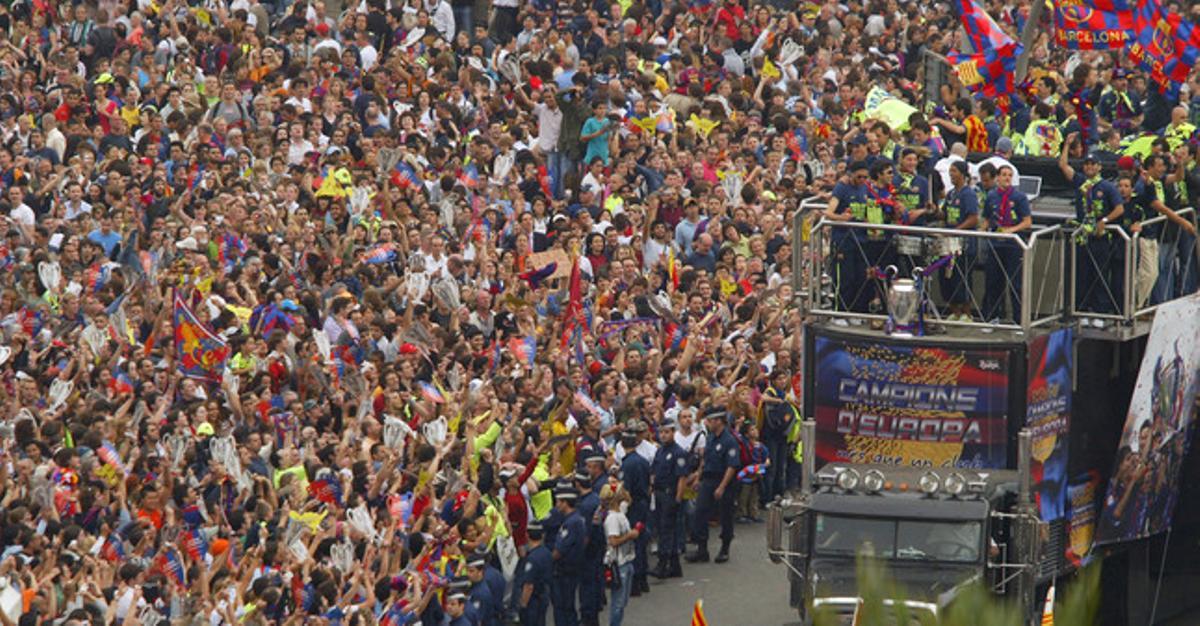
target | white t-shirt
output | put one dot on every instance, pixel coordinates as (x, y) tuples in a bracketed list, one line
[(615, 525), (685, 441)]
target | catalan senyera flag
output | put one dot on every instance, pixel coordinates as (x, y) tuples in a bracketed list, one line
[(698, 618), (1093, 24), (989, 71), (1165, 45)]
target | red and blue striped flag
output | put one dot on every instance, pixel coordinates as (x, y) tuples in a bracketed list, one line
[(1093, 24), (989, 71), (327, 490), (380, 254), (194, 543), (169, 564), (524, 348), (405, 176), (430, 393), (108, 453), (1166, 45)]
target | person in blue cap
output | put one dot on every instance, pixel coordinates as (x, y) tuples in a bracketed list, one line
[(486, 605), (533, 578), (568, 557), (668, 475), (718, 489), (456, 609), (635, 475), (591, 581)]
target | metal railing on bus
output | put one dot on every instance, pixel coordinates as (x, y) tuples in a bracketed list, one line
[(1114, 280), (1038, 295)]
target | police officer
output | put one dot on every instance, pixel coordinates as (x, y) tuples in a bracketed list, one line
[(1006, 210), (1100, 259), (486, 606), (568, 557), (591, 581), (718, 489), (635, 476), (668, 476), (496, 584), (470, 611), (533, 579), (456, 609)]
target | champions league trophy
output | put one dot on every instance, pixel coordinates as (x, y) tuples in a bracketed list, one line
[(905, 297)]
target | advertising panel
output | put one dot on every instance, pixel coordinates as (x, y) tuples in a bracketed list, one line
[(897, 404), (1143, 488)]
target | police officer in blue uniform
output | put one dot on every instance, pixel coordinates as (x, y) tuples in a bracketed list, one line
[(635, 476), (568, 557), (1100, 259), (1006, 210), (668, 473), (496, 584), (456, 609), (591, 580), (718, 489), (480, 597), (533, 578), (849, 204), (471, 613)]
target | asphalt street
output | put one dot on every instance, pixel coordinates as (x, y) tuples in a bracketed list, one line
[(749, 590)]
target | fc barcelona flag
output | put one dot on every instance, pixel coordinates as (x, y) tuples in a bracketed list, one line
[(1093, 24), (989, 71), (1166, 45)]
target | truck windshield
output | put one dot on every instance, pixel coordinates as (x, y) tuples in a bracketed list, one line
[(912, 540)]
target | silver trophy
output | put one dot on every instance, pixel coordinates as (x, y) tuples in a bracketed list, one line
[(903, 304)]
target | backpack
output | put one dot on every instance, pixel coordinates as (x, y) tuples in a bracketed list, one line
[(745, 450)]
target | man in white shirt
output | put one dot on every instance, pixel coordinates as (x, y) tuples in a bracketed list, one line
[(76, 206), (958, 152), (441, 15), (21, 215), (55, 139)]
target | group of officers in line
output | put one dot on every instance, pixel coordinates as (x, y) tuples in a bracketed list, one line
[(880, 192), (563, 569)]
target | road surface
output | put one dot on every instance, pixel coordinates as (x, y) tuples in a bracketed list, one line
[(749, 590)]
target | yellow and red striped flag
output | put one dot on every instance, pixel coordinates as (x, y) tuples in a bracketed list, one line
[(698, 614)]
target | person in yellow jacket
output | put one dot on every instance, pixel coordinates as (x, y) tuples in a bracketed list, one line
[(777, 418)]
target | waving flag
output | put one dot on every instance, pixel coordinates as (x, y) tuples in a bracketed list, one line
[(201, 353), (989, 71), (169, 565), (120, 383), (108, 453), (113, 549), (97, 276), (1166, 45), (469, 176), (1093, 24), (326, 489), (232, 249), (430, 393), (194, 543), (524, 348), (383, 253), (404, 176)]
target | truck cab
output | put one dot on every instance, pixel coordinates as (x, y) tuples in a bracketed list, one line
[(934, 530)]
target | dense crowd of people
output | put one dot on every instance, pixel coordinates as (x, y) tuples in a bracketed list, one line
[(460, 312)]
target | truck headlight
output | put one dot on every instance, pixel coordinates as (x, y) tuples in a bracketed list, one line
[(848, 479), (873, 480), (929, 483), (955, 484)]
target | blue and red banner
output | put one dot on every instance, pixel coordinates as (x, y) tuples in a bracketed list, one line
[(200, 352), (1165, 45), (1048, 417), (898, 404), (1093, 24)]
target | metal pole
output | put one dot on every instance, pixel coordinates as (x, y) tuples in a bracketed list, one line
[(808, 458), (1027, 255), (1028, 37), (1027, 524)]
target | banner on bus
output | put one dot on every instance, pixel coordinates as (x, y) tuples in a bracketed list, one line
[(1048, 417)]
